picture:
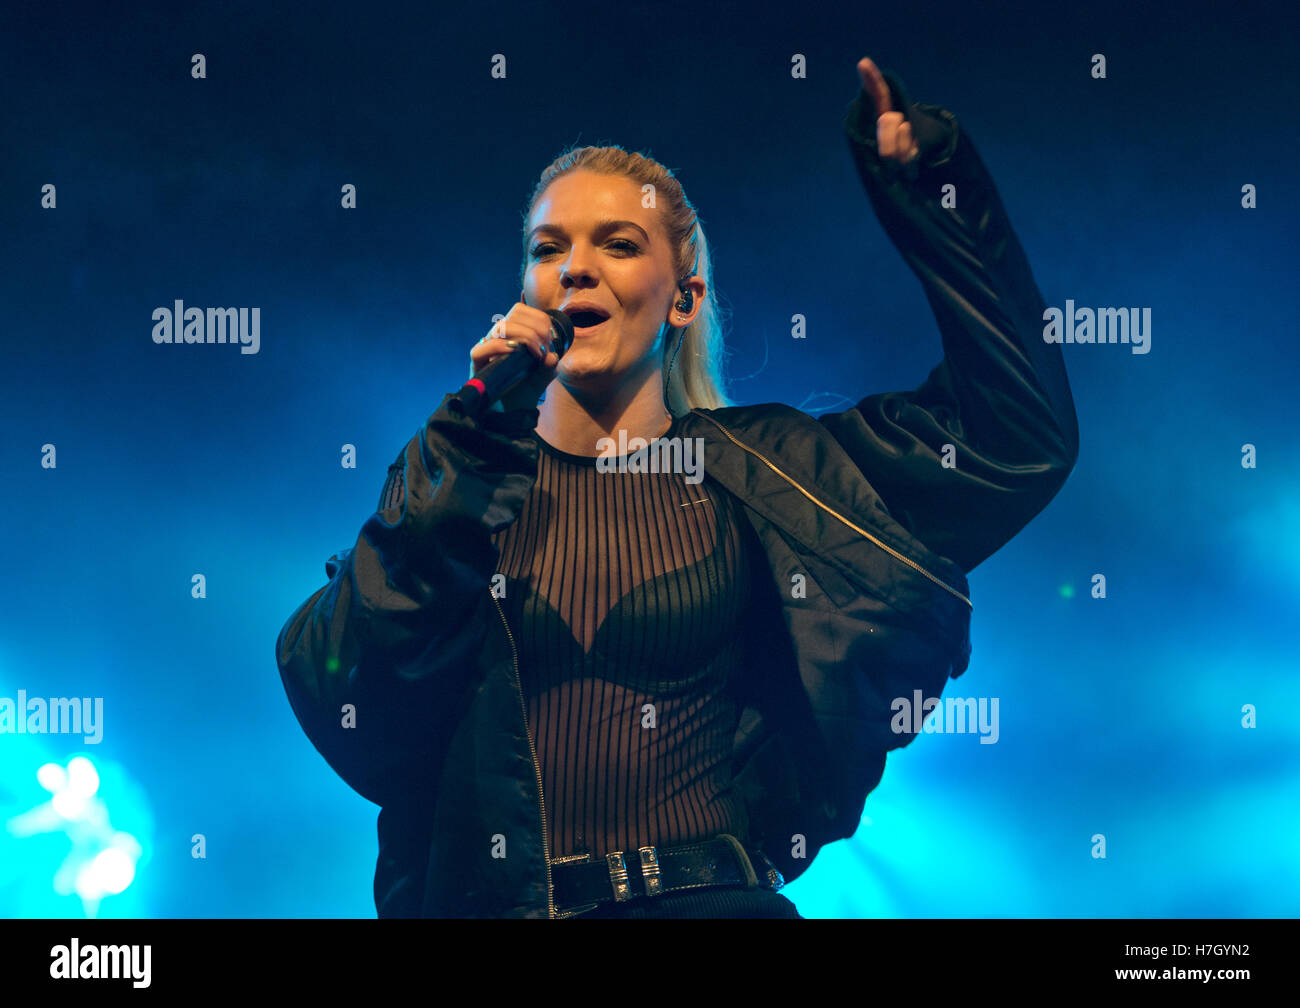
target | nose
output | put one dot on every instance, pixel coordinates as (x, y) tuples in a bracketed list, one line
[(576, 272)]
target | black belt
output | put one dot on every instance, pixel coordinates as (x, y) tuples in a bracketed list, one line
[(582, 883)]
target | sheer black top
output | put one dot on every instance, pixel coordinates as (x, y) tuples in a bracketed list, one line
[(624, 592)]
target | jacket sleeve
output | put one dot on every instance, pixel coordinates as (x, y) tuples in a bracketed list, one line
[(397, 630), (1000, 397)]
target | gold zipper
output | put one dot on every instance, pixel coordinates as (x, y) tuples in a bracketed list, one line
[(546, 849), (863, 532)]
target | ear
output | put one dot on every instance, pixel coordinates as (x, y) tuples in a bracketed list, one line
[(697, 287)]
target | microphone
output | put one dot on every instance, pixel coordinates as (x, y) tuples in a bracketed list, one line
[(499, 377)]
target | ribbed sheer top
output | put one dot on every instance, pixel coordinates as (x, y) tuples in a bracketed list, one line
[(624, 592)]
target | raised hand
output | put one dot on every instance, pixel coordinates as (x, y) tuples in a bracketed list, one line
[(894, 138)]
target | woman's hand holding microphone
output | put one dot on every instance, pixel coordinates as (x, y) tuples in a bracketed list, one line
[(527, 327)]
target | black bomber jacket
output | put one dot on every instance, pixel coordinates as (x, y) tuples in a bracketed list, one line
[(856, 507)]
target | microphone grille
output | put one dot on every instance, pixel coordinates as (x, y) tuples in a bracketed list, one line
[(562, 327)]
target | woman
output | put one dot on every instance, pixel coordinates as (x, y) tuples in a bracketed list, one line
[(582, 691)]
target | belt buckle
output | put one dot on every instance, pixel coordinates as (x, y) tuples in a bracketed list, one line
[(573, 911), (619, 880), (618, 877), (650, 871)]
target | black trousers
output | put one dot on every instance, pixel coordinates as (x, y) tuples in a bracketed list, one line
[(723, 901)]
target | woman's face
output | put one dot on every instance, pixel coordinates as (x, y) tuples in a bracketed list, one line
[(589, 240)]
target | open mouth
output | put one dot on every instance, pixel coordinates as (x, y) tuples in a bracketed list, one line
[(586, 319)]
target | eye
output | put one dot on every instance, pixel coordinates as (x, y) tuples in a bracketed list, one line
[(538, 251)]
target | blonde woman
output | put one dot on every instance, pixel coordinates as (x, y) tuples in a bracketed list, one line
[(582, 690)]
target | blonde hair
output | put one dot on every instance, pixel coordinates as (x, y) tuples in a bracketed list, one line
[(695, 379)]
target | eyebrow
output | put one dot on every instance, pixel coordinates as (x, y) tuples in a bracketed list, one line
[(602, 227)]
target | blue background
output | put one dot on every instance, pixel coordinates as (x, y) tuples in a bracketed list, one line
[(1119, 716)]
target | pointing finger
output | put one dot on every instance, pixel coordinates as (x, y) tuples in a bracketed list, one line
[(873, 82)]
